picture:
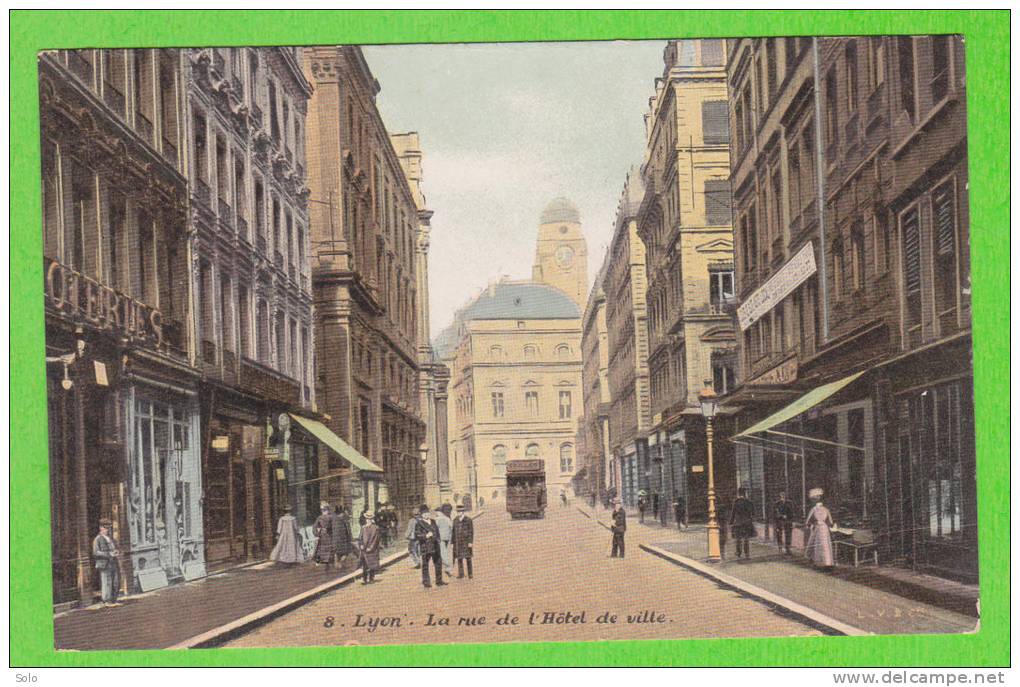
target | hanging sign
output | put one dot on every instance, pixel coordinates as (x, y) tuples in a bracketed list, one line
[(779, 286), (697, 468), (101, 378), (220, 443)]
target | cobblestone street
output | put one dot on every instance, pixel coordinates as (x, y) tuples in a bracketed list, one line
[(558, 565)]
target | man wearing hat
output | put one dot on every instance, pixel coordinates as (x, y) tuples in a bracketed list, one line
[(619, 516), (325, 546), (426, 531), (368, 544), (463, 541), (107, 557)]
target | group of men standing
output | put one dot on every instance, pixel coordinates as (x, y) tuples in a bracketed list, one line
[(436, 539)]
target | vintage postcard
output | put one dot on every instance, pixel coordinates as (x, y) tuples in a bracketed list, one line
[(508, 342)]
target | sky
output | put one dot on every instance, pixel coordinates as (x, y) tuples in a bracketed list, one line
[(504, 129)]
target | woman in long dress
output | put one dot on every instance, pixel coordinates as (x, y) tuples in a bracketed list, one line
[(323, 529), (819, 542), (288, 543)]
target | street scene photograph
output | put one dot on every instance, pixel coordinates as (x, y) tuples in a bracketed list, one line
[(508, 342)]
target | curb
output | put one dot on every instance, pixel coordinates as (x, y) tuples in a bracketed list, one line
[(826, 624), (224, 633)]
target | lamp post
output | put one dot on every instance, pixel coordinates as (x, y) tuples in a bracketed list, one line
[(709, 406)]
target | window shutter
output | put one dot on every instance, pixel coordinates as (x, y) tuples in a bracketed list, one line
[(715, 125), (912, 251), (945, 221), (717, 202)]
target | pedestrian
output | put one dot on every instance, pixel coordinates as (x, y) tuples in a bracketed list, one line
[(819, 526), (782, 519), (288, 542), (361, 518), (445, 536), (463, 542), (655, 505), (325, 550), (413, 547), (426, 531), (642, 505), (619, 527), (342, 539), (591, 499), (724, 528), (107, 557), (563, 498), (680, 513), (368, 546), (742, 522)]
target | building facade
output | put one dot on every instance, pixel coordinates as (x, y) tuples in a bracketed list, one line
[(514, 355), (121, 376), (244, 114), (367, 227), (850, 207), (684, 222), (593, 427)]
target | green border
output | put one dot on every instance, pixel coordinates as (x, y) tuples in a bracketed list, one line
[(987, 43)]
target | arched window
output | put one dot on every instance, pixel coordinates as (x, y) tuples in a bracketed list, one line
[(530, 352), (563, 351), (566, 457), (496, 352), (531, 451), (499, 460)]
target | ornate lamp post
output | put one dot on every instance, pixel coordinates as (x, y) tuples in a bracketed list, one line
[(709, 407)]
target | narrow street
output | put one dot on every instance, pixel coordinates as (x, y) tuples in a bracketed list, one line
[(559, 565)]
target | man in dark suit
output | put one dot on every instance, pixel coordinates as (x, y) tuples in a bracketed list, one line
[(782, 518), (107, 557), (619, 528), (742, 523), (463, 542), (426, 531)]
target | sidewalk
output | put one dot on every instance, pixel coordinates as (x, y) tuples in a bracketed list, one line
[(171, 615), (876, 600)]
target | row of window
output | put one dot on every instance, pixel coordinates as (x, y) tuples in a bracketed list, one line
[(530, 352), (499, 457)]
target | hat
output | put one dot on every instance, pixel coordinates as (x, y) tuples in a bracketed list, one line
[(324, 506), (461, 508), (816, 493), (369, 515), (617, 501), (423, 509), (105, 522)]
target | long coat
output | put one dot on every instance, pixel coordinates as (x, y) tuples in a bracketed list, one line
[(742, 519), (288, 544), (463, 536), (368, 542), (819, 542), (619, 521), (422, 529), (341, 534), (324, 547)]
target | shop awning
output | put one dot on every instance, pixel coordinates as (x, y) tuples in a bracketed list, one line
[(336, 444), (801, 405)]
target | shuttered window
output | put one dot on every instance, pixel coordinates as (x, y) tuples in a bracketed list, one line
[(717, 202), (943, 205), (711, 53), (912, 265), (715, 125)]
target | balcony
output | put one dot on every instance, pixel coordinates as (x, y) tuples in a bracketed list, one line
[(260, 380)]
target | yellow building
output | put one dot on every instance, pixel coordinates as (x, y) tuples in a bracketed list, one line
[(514, 354)]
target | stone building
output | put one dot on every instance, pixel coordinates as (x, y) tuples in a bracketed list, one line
[(849, 177), (514, 355), (593, 426), (367, 227), (244, 114), (684, 222), (122, 382)]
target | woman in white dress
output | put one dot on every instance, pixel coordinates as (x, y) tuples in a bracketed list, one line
[(819, 525), (288, 545)]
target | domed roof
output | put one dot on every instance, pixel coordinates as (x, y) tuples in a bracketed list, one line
[(560, 210), (510, 301)]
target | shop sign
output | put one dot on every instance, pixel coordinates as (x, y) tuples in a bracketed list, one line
[(779, 286), (101, 377), (221, 443), (280, 475), (697, 468), (74, 294), (783, 373)]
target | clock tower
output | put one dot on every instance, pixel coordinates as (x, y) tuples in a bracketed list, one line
[(561, 256)]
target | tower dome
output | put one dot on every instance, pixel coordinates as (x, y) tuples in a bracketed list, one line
[(560, 210)]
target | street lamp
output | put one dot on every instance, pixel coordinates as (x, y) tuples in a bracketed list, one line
[(709, 406)]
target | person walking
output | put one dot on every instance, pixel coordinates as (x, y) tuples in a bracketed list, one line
[(445, 525), (618, 529), (426, 531), (368, 545), (413, 547), (463, 542), (342, 539), (782, 521), (325, 551), (724, 529), (107, 557), (819, 525), (742, 522), (642, 505), (288, 542), (680, 513)]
